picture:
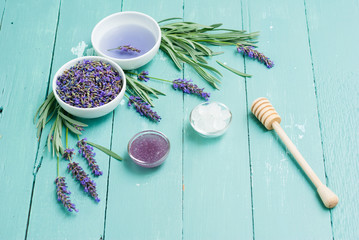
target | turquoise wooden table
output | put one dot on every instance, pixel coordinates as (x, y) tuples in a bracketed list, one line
[(243, 185)]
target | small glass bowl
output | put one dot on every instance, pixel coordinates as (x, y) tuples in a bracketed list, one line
[(148, 148), (210, 132)]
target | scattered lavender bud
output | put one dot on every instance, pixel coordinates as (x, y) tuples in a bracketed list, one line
[(63, 194), (126, 48), (68, 154), (86, 151), (187, 87), (83, 178), (252, 53), (81, 129), (89, 84), (143, 108), (143, 76)]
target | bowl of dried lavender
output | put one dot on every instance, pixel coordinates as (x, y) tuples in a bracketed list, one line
[(131, 39), (89, 87)]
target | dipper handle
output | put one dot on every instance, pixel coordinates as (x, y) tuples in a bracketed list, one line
[(266, 114)]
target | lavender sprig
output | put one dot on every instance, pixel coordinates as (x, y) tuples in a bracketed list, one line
[(187, 87), (126, 48), (143, 76), (252, 53), (68, 154), (63, 194), (87, 152), (83, 178), (143, 108)]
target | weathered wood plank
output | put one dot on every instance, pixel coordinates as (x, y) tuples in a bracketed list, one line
[(147, 203), (283, 199), (24, 63), (217, 196), (334, 44), (76, 22)]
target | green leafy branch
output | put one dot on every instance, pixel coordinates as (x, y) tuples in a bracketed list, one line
[(46, 112), (184, 42)]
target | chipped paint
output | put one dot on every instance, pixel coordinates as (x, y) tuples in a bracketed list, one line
[(79, 49)]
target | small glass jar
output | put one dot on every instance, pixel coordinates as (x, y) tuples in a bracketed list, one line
[(148, 148), (210, 119)]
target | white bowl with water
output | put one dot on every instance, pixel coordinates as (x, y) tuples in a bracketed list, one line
[(127, 28), (210, 119)]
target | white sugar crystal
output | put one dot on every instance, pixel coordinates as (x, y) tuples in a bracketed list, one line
[(210, 118), (225, 114), (195, 115), (214, 108), (202, 110), (219, 124)]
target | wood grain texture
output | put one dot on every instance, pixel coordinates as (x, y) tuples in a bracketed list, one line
[(282, 197), (217, 196), (243, 185), (25, 62), (336, 74), (76, 22), (147, 203)]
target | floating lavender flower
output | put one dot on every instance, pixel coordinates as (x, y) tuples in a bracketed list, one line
[(143, 108), (68, 154), (252, 53), (126, 48), (63, 194), (187, 87), (83, 178), (89, 84), (87, 152), (143, 76)]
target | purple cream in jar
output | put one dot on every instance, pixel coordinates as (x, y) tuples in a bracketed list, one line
[(149, 148)]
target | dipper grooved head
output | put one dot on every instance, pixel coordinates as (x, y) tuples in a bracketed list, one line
[(265, 112)]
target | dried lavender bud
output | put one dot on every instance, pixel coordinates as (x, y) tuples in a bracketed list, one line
[(143, 108), (252, 53), (79, 128), (143, 76), (89, 84), (68, 154), (187, 87), (126, 48), (63, 194), (83, 178), (87, 152)]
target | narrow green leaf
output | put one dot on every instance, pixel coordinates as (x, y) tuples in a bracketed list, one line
[(105, 150), (67, 118), (168, 41), (49, 137), (71, 127), (233, 70), (172, 55)]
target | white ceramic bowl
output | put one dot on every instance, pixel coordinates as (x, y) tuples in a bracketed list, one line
[(96, 111), (118, 20)]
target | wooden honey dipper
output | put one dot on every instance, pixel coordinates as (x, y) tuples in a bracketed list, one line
[(267, 115)]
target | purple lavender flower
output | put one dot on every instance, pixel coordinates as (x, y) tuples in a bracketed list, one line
[(187, 87), (143, 108), (79, 128), (83, 178), (86, 151), (126, 48), (89, 84), (63, 194), (252, 53), (143, 76), (68, 154)]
